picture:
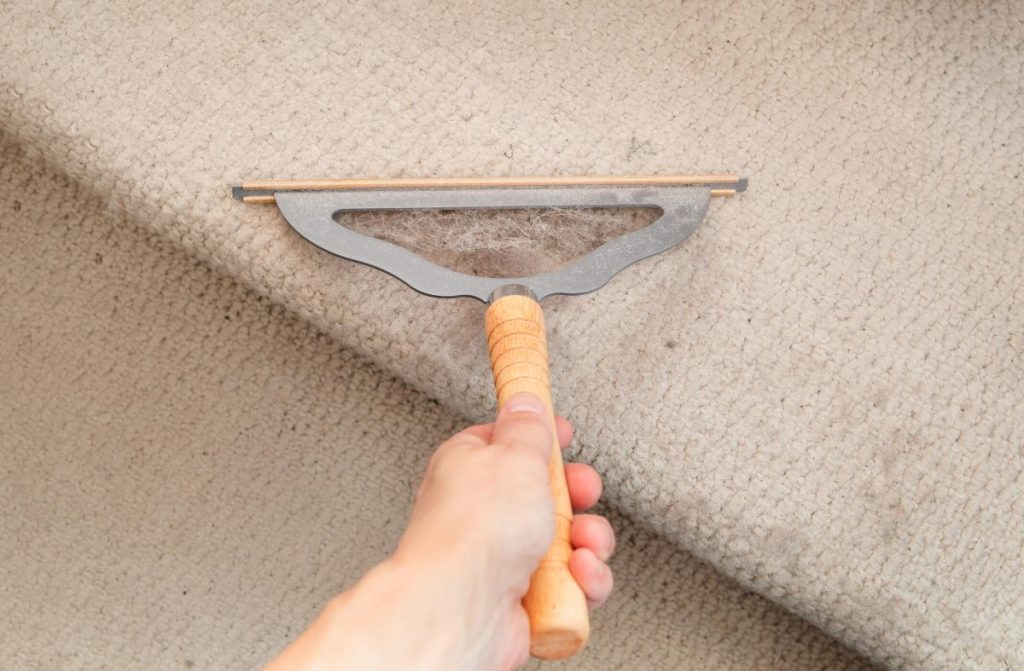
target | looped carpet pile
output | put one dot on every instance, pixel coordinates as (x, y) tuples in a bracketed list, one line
[(820, 393)]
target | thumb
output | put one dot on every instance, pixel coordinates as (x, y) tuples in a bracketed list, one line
[(525, 423)]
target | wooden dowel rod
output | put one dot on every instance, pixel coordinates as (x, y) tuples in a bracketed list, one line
[(269, 199), (463, 182)]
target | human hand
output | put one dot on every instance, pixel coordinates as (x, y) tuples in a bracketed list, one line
[(449, 597), (485, 506)]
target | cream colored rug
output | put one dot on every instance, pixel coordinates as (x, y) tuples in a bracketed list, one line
[(820, 393), (189, 472)]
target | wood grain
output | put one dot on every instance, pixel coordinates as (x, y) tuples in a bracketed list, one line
[(482, 182), (268, 199), (557, 607)]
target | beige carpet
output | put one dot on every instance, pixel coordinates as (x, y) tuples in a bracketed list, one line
[(189, 472), (820, 393)]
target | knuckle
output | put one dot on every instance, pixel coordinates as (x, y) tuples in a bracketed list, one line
[(528, 428), (526, 459), (444, 454), (610, 535)]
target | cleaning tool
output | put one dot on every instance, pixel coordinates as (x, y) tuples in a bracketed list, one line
[(514, 320)]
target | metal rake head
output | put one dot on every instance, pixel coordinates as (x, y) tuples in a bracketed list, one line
[(313, 213)]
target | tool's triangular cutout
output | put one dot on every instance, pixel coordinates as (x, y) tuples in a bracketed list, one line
[(500, 243), (315, 215)]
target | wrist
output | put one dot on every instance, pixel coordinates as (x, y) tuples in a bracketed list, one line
[(394, 617)]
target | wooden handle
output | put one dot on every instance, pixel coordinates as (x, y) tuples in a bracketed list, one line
[(559, 623)]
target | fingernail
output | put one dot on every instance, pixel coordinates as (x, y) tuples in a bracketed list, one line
[(524, 402)]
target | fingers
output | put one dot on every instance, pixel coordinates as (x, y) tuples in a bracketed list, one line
[(594, 541), (485, 432), (592, 574), (584, 486), (564, 430), (524, 423), (594, 533)]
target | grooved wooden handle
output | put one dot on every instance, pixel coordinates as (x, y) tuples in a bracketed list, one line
[(559, 622)]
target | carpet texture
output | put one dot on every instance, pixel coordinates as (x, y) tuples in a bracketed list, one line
[(820, 392), (189, 472)]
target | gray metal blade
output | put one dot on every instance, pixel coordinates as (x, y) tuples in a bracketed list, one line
[(312, 215)]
